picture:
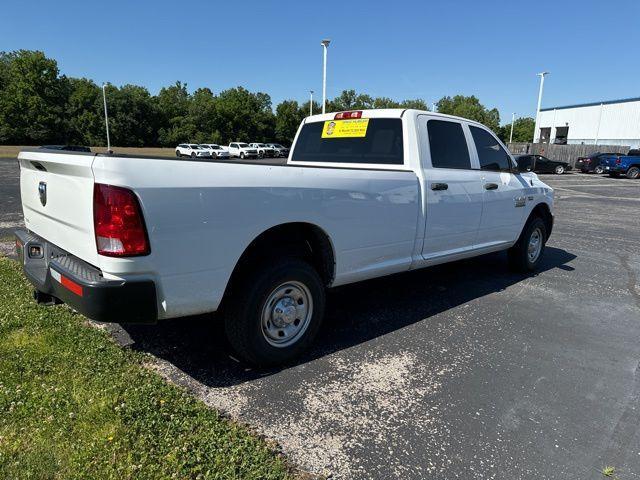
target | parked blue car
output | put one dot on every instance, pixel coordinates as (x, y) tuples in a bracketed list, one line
[(628, 165)]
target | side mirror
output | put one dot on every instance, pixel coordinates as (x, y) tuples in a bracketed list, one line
[(523, 168)]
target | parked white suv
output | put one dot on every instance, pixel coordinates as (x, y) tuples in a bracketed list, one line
[(264, 150), (215, 151), (192, 150), (242, 150), (363, 194)]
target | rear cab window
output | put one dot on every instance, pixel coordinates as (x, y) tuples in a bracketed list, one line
[(363, 141)]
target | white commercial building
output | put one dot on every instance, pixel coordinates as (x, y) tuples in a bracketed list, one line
[(614, 122)]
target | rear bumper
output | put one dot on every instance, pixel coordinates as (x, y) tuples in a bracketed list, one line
[(67, 278)]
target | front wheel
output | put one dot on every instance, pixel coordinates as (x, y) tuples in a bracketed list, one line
[(274, 314), (559, 170), (242, 155), (599, 170), (193, 155), (525, 255), (178, 154), (633, 173)]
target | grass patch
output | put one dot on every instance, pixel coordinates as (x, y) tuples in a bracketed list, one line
[(75, 405)]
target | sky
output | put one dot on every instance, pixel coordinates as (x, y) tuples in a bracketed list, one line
[(398, 49)]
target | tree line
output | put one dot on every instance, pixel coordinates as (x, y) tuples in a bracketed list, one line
[(39, 106)]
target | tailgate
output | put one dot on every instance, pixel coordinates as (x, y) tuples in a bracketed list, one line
[(57, 199)]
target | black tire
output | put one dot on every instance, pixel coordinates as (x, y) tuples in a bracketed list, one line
[(178, 154), (244, 311), (261, 155), (598, 170), (633, 173), (519, 259), (214, 156), (242, 155), (193, 155), (559, 169)]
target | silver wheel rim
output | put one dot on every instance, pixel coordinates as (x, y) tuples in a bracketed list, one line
[(599, 170), (286, 314), (535, 245), (559, 170)]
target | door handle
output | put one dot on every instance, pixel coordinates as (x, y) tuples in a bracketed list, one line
[(490, 186), (439, 186)]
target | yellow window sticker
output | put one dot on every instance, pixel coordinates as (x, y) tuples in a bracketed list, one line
[(354, 128)]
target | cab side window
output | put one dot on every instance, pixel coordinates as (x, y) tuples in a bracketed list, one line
[(448, 145), (490, 154)]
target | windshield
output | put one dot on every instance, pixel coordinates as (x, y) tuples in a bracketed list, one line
[(243, 145), (216, 147)]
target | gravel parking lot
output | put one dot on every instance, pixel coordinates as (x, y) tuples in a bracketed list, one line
[(458, 371)]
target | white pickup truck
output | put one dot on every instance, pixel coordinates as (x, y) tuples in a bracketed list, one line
[(363, 194)]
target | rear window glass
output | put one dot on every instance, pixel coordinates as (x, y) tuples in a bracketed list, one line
[(448, 145), (382, 144)]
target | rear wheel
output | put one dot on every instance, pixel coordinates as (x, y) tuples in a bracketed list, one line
[(193, 154), (274, 314), (178, 154), (559, 170), (633, 173), (214, 155), (525, 255)]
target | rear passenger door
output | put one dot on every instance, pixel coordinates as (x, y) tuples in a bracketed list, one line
[(503, 191), (453, 188)]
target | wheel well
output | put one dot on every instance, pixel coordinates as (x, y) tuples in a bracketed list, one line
[(299, 239), (542, 210)]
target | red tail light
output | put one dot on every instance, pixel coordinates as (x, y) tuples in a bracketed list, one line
[(345, 115), (118, 222), (618, 161)]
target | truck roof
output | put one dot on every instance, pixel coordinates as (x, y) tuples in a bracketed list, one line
[(384, 113)]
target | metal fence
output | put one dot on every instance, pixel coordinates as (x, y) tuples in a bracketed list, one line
[(565, 153)]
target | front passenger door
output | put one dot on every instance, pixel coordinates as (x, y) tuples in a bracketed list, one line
[(503, 191)]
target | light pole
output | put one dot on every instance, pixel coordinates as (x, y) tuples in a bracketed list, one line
[(310, 102), (325, 44), (106, 115), (513, 119), (535, 130)]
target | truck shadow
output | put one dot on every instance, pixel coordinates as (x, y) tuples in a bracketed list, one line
[(355, 314)]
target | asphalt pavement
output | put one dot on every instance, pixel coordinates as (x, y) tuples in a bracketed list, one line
[(462, 371)]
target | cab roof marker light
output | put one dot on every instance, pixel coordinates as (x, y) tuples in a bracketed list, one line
[(346, 115)]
